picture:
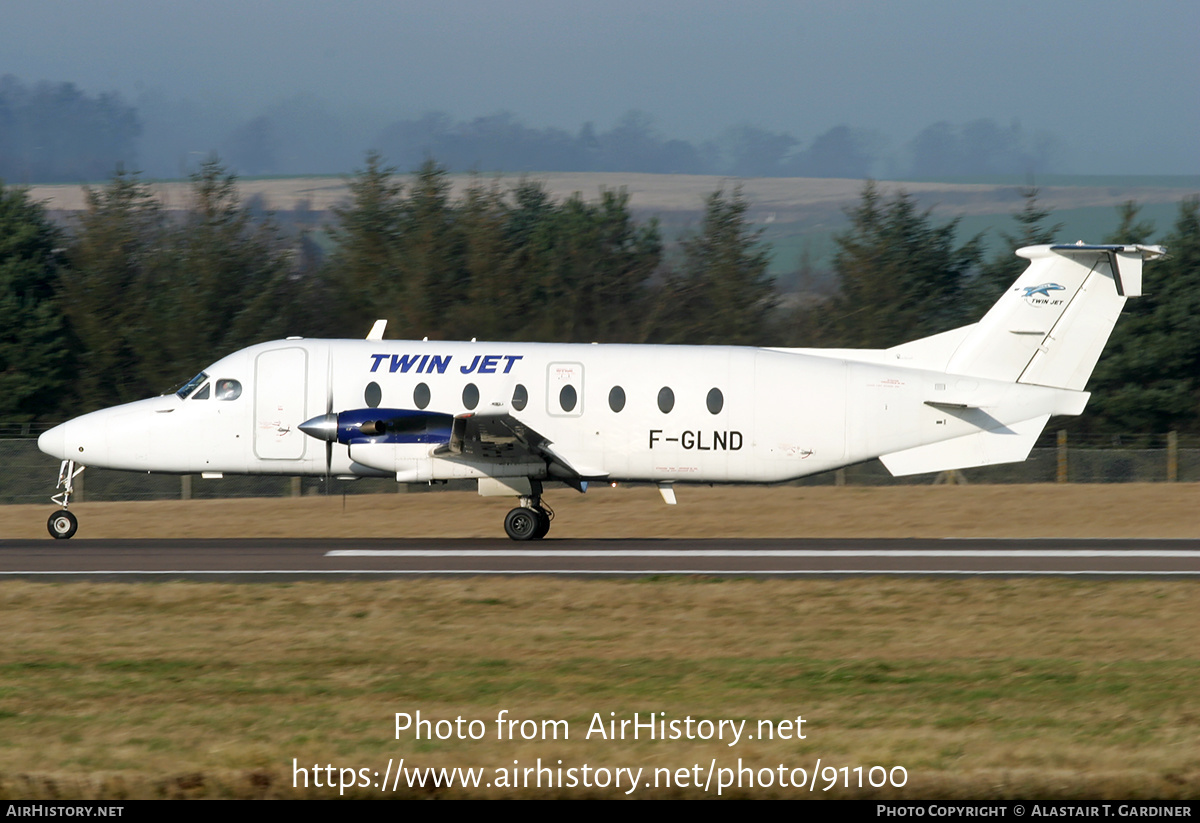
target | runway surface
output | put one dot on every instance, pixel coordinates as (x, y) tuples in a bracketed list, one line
[(306, 558)]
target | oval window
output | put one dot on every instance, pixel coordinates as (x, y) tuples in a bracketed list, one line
[(520, 397), (421, 396), (666, 400), (471, 396), (373, 394), (616, 398), (567, 398), (716, 401), (228, 389)]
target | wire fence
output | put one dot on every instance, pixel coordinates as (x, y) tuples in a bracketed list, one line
[(28, 476)]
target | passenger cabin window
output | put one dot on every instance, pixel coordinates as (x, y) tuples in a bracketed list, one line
[(567, 398), (203, 393), (470, 396), (616, 398), (421, 396), (520, 397), (373, 395), (716, 401), (228, 389), (666, 400)]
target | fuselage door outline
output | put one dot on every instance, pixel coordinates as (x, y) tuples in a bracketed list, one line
[(564, 389)]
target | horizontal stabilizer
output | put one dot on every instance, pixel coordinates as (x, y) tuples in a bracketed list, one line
[(1007, 444), (1126, 261)]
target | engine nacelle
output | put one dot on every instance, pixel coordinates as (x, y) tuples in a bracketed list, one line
[(381, 426)]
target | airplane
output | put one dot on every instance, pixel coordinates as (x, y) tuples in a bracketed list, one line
[(517, 416)]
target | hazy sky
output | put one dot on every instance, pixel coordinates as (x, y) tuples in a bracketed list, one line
[(1117, 82)]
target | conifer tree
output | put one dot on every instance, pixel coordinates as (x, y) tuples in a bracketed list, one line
[(432, 283), (1148, 379), (33, 349), (121, 240), (720, 292), (1000, 272), (900, 277), (223, 283)]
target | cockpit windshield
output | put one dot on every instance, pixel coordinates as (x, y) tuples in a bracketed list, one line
[(190, 386)]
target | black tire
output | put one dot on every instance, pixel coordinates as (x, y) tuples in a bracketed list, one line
[(522, 523), (543, 523), (62, 524)]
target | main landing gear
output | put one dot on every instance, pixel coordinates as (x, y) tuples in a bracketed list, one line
[(62, 524), (530, 520)]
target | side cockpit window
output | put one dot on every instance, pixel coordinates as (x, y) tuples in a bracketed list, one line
[(190, 386), (228, 389), (203, 393)]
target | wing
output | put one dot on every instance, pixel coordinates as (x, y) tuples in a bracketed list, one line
[(504, 437)]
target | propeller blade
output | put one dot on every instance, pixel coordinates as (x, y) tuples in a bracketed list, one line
[(329, 413)]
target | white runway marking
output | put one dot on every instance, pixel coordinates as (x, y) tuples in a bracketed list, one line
[(588, 572), (747, 553), (694, 562)]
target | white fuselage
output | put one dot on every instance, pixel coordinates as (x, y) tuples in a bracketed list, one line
[(780, 414)]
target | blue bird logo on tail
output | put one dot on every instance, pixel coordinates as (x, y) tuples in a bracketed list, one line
[(1044, 289)]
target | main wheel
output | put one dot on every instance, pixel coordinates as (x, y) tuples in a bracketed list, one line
[(543, 523), (522, 523), (62, 524)]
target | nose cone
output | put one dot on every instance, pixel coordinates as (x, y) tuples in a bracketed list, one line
[(53, 442), (324, 427), (107, 439)]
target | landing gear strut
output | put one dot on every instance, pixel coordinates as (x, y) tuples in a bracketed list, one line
[(530, 520), (62, 524)]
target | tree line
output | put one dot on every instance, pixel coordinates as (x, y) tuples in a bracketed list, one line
[(500, 141), (902, 277), (55, 132), (133, 297)]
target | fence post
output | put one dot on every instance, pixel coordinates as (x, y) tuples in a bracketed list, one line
[(1062, 456), (185, 487), (295, 487), (1172, 456), (839, 477)]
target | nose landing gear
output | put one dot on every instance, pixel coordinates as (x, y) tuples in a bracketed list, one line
[(62, 524)]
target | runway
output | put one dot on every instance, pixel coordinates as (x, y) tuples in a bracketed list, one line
[(308, 558)]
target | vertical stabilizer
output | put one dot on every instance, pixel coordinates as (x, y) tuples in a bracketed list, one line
[(1050, 327)]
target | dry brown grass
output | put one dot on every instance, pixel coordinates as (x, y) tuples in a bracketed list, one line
[(980, 688), (1067, 510), (786, 197)]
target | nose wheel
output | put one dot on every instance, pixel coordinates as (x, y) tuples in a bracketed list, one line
[(62, 524)]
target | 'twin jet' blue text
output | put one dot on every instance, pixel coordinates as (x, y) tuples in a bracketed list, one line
[(437, 363)]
